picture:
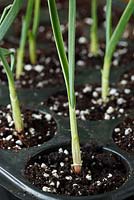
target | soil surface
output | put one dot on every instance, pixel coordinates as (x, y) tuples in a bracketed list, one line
[(83, 11), (127, 79), (47, 71), (38, 128), (101, 172), (89, 105), (123, 135)]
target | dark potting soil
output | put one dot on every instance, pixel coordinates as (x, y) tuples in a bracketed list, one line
[(38, 128), (89, 104), (86, 60), (83, 11), (48, 71), (127, 79), (123, 135), (101, 172)]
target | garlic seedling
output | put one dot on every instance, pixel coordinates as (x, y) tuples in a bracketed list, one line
[(68, 68)]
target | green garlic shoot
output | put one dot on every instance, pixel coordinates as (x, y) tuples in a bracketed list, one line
[(68, 67), (12, 90), (33, 33), (94, 46), (24, 34), (112, 40)]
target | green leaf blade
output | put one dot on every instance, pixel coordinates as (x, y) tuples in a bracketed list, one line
[(71, 49), (9, 18), (59, 40)]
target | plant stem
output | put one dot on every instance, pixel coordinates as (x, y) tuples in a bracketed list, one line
[(16, 108), (105, 78), (68, 71), (32, 47), (107, 62), (112, 45), (108, 21), (36, 17), (19, 64), (71, 49), (71, 58), (77, 163), (33, 33), (24, 33), (13, 96), (94, 29)]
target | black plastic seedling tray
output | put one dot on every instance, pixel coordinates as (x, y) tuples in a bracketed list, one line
[(12, 164), (5, 195)]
